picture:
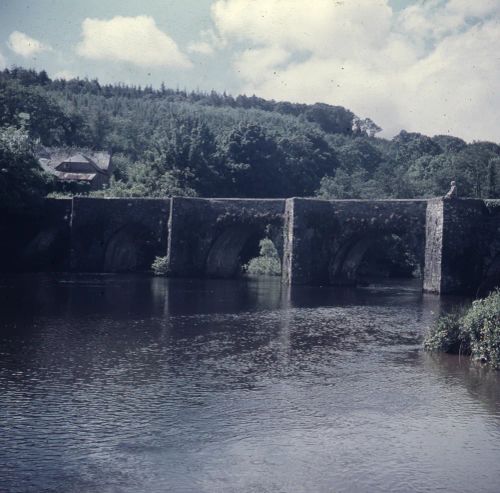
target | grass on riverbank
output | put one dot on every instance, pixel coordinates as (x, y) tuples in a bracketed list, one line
[(475, 332)]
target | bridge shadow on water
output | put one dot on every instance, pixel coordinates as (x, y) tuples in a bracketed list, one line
[(136, 295)]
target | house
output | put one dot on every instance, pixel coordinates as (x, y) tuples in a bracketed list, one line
[(77, 165)]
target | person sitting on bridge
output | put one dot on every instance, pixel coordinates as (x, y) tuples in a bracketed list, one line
[(452, 194)]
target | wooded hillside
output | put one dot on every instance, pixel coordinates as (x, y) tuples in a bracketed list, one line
[(172, 142)]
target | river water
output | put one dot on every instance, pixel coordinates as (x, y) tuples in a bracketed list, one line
[(139, 384)]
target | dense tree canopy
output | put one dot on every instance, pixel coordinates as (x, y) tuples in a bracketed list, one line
[(170, 142), (22, 182)]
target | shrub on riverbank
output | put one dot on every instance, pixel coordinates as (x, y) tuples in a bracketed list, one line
[(159, 266), (475, 333), (482, 322), (448, 336)]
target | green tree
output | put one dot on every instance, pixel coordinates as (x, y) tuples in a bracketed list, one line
[(365, 127), (252, 161), (42, 116), (22, 181), (493, 184), (473, 166), (331, 119), (305, 159)]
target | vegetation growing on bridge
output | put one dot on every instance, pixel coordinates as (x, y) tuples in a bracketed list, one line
[(160, 266), (268, 262), (475, 332), (170, 142)]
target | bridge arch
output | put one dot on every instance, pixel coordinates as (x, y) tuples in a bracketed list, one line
[(117, 235), (46, 249), (223, 259), (235, 246), (129, 249), (396, 253)]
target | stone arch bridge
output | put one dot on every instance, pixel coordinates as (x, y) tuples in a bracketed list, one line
[(456, 242)]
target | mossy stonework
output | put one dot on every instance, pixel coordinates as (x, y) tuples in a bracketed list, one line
[(455, 242)]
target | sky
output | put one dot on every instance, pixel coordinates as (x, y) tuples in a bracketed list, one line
[(429, 66)]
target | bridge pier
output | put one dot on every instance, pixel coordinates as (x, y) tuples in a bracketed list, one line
[(306, 241), (456, 237)]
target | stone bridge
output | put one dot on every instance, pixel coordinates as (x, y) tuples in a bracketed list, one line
[(455, 242)]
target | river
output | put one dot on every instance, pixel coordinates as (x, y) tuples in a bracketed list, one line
[(139, 384)]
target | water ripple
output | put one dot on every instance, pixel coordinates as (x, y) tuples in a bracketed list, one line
[(138, 385)]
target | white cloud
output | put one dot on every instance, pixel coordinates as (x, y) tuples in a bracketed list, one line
[(24, 45), (476, 8), (252, 63), (302, 25), (455, 87), (136, 40), (433, 67), (422, 22), (201, 47), (207, 45)]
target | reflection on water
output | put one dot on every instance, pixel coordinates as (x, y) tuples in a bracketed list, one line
[(138, 384)]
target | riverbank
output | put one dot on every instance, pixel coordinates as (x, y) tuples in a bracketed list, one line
[(474, 332)]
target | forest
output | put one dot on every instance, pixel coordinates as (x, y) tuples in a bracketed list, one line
[(169, 142)]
